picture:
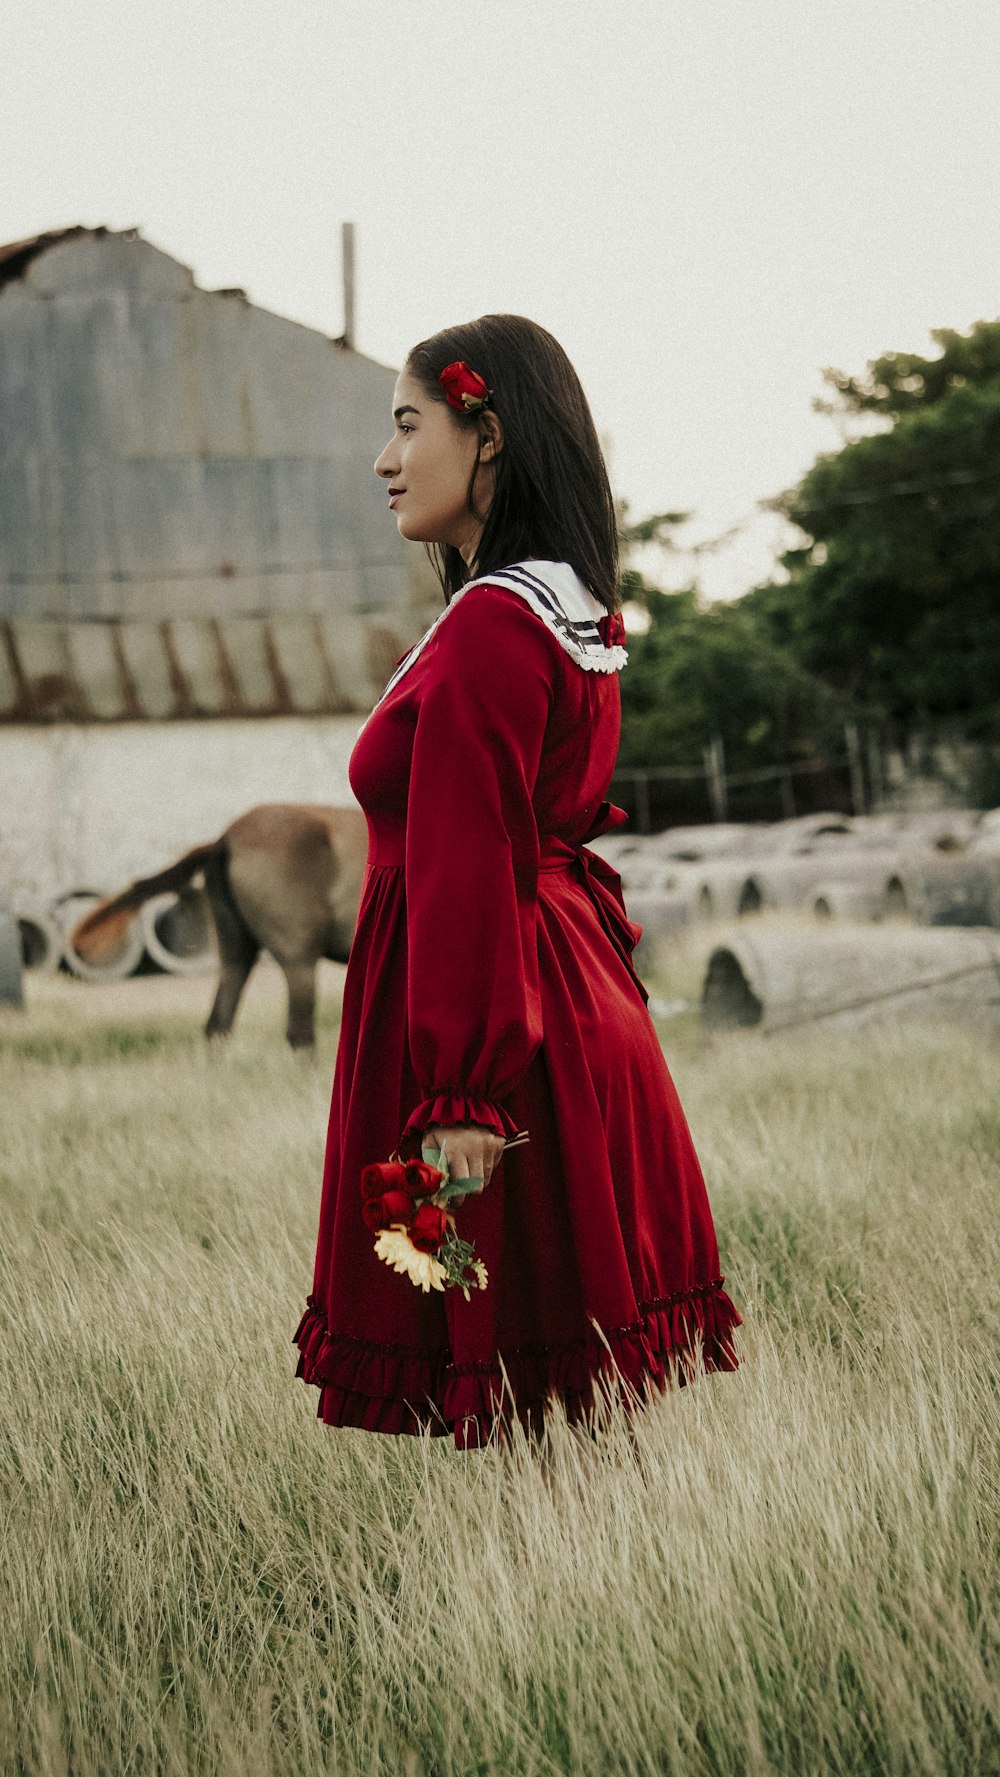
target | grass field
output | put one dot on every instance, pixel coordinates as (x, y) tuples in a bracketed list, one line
[(793, 1569)]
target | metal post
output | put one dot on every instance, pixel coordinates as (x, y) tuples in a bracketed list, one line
[(11, 993), (347, 263), (875, 774), (855, 766), (715, 773)]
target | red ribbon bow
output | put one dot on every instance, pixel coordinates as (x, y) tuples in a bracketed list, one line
[(612, 628), (464, 389), (603, 883)]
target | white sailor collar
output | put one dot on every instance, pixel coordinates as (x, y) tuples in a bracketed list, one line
[(556, 594)]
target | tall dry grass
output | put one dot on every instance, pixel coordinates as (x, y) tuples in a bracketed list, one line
[(793, 1569)]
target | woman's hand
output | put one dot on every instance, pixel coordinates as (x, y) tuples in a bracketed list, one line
[(471, 1152)]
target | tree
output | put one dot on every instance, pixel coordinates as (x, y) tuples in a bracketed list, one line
[(702, 671), (893, 599)]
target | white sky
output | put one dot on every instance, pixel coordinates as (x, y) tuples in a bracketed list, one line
[(705, 200)]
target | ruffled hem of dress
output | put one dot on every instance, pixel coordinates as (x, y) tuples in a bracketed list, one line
[(396, 1388), (446, 1108)]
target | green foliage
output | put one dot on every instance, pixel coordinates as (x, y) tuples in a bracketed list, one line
[(700, 672), (899, 382), (658, 528), (894, 598)]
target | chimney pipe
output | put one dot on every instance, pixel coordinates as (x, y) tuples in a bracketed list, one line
[(347, 262)]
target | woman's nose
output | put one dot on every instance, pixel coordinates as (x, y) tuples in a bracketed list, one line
[(384, 464)]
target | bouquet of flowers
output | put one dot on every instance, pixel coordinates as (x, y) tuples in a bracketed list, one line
[(405, 1203)]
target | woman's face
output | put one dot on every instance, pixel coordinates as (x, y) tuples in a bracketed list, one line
[(427, 465)]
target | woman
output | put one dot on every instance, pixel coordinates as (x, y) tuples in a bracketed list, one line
[(490, 988)]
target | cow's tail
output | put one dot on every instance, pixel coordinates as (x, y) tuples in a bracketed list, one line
[(101, 930)]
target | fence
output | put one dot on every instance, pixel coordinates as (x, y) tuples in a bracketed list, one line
[(667, 795), (867, 772)]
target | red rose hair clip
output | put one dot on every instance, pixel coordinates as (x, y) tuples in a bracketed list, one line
[(464, 389)]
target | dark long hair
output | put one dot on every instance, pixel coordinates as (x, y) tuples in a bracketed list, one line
[(552, 500)]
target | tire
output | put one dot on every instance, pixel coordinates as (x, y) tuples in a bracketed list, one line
[(179, 933), (41, 941), (67, 912)]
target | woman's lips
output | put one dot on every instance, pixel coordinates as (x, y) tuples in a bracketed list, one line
[(395, 493)]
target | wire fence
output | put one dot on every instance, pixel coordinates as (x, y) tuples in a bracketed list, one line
[(848, 780), (865, 772)]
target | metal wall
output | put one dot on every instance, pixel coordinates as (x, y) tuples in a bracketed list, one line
[(169, 453)]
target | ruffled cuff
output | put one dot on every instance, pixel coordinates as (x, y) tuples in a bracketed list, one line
[(448, 1107)]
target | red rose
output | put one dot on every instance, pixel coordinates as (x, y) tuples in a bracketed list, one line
[(464, 388), (421, 1180), (380, 1212), (427, 1229), (384, 1175), (612, 628)]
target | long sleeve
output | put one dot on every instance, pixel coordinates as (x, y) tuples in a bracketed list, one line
[(472, 861)]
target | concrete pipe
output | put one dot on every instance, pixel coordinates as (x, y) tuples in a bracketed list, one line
[(661, 913), (179, 933), (846, 900), (787, 978), (865, 887), (41, 941), (67, 912), (793, 883), (726, 890), (11, 991), (952, 888)]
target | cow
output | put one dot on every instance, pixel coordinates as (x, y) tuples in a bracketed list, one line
[(285, 877)]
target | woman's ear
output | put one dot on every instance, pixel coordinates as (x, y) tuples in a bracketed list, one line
[(492, 437)]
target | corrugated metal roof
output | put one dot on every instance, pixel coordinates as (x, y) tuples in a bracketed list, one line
[(277, 666)]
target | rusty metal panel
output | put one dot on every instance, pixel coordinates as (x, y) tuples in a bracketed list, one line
[(42, 658), (194, 654), (97, 669), (346, 646), (301, 661), (251, 658), (147, 669), (292, 665), (10, 686)]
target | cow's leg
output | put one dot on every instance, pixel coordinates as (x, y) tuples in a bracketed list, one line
[(238, 951), (301, 978), (232, 981)]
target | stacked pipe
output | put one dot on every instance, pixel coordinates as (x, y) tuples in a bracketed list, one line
[(173, 932), (792, 978)]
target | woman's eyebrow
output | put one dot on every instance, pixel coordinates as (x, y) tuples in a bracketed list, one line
[(398, 412)]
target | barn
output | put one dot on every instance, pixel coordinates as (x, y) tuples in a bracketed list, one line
[(201, 591)]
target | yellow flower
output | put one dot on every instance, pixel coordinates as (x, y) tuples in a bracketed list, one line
[(482, 1275), (395, 1248)]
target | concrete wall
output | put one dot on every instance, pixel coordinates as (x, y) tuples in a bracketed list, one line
[(92, 807)]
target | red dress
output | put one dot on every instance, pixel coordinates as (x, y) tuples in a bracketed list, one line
[(490, 981)]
